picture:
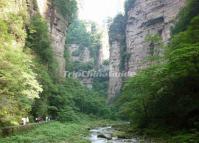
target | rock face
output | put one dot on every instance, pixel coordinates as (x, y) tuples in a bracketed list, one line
[(115, 81), (83, 56), (57, 28), (148, 17), (145, 17)]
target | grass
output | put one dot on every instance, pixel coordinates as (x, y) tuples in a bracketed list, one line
[(56, 132), (77, 132)]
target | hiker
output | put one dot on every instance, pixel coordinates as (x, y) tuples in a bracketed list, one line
[(47, 119), (27, 120), (39, 119)]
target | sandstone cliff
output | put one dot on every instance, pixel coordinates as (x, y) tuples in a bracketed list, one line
[(148, 17), (144, 17)]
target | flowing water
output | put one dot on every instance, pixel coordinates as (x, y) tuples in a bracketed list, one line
[(104, 135)]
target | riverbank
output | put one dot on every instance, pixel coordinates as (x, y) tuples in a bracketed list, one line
[(157, 135), (78, 132), (56, 132)]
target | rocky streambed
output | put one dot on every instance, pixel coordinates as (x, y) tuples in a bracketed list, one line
[(109, 135)]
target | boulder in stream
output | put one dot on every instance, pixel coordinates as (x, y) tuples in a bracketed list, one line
[(105, 136)]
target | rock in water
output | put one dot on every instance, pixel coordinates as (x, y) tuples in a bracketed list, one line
[(105, 136)]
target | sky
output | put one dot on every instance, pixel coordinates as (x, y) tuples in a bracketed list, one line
[(99, 10)]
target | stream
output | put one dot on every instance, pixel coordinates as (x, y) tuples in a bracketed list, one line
[(104, 135)]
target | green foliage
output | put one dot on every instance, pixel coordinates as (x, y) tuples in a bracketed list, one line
[(71, 101), (100, 84), (41, 107), (186, 15), (67, 8), (79, 66), (27, 75), (38, 40), (166, 94), (59, 100), (76, 53), (117, 28), (19, 86), (156, 47), (105, 62), (56, 132), (2, 3), (68, 114), (78, 34), (184, 137)]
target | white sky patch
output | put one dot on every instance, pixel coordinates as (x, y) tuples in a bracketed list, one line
[(99, 10)]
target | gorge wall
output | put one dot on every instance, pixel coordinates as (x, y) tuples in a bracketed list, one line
[(147, 18), (57, 28), (144, 17), (115, 82)]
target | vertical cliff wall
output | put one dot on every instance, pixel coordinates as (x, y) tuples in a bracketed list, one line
[(57, 29), (148, 17), (115, 81), (117, 51), (143, 18)]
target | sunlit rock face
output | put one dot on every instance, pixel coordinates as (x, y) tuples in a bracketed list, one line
[(148, 17), (115, 81)]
